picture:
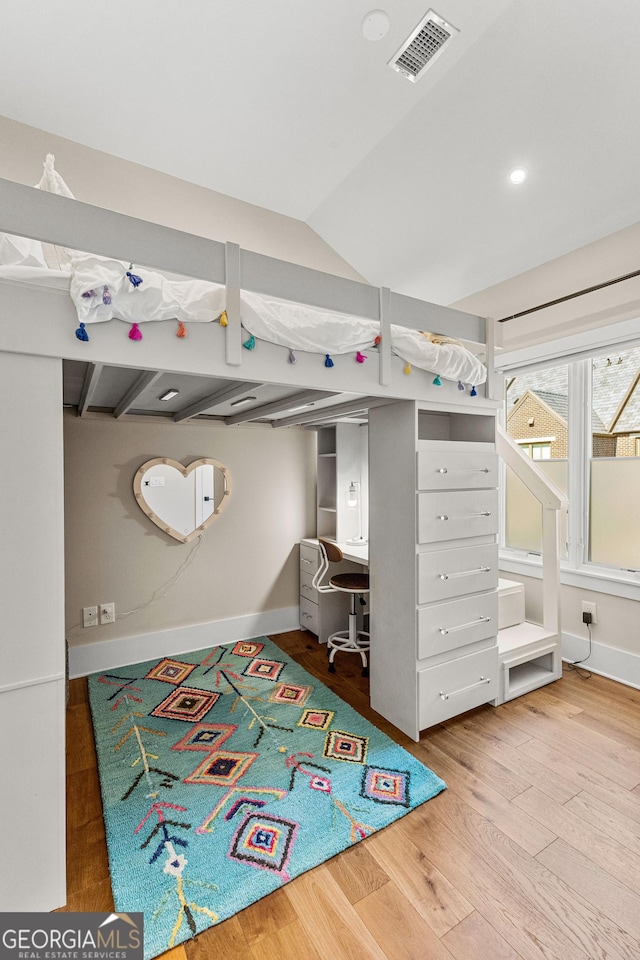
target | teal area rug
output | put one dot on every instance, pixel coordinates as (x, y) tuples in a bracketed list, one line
[(227, 772)]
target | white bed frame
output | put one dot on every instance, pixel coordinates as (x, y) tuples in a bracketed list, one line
[(36, 333)]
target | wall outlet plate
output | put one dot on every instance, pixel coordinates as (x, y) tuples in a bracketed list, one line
[(89, 616), (590, 608), (107, 613)]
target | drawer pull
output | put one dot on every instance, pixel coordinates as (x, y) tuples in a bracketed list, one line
[(304, 560), (464, 573), (454, 693), (483, 513), (307, 616), (442, 470), (305, 586), (443, 517), (463, 626), (464, 470)]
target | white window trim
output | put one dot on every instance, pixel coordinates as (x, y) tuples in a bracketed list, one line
[(576, 351)]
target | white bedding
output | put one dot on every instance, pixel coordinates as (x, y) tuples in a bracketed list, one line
[(101, 291)]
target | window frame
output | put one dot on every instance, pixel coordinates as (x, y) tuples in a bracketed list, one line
[(577, 352)]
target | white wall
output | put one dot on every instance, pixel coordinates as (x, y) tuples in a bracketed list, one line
[(247, 562), (32, 794)]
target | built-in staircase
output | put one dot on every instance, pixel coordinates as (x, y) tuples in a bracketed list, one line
[(530, 653)]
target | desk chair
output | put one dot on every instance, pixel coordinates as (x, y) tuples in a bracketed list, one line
[(356, 585)]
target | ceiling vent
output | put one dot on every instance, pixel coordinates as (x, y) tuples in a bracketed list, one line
[(423, 46)]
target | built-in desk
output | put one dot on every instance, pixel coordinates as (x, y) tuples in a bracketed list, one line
[(326, 613)]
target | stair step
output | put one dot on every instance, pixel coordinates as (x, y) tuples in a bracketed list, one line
[(510, 603)]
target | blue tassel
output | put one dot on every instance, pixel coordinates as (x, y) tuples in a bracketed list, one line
[(250, 344), (460, 385), (474, 392), (81, 333), (135, 280), (106, 295), (292, 357), (88, 294), (437, 382), (328, 362)]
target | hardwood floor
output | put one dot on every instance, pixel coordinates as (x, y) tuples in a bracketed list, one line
[(532, 852)]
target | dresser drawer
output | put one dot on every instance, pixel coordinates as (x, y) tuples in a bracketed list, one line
[(309, 618), (455, 686), (306, 586), (443, 574), (456, 513), (309, 558), (457, 470), (448, 626)]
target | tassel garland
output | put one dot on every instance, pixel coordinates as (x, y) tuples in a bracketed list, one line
[(407, 369), (106, 295), (224, 322), (292, 357), (135, 332), (81, 332), (328, 362), (360, 357), (437, 382), (460, 385), (134, 278), (182, 330), (250, 344), (474, 392)]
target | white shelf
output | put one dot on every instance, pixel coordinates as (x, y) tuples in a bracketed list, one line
[(515, 638)]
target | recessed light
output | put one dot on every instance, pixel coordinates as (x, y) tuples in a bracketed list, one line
[(169, 395), (303, 406), (375, 25), (518, 175), (237, 403)]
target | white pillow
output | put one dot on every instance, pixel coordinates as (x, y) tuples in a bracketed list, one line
[(20, 251)]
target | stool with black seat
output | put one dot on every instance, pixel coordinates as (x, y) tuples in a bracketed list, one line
[(356, 585)]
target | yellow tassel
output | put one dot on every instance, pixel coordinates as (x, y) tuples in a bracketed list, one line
[(223, 319), (407, 369)]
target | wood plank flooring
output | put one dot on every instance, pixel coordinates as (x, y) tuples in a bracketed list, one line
[(532, 853)]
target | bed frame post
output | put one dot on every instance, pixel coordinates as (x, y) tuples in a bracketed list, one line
[(233, 333), (494, 382), (385, 333)]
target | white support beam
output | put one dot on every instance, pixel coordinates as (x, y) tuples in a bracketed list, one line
[(277, 406), (213, 400), (91, 378), (233, 331), (146, 379), (332, 413), (384, 347)]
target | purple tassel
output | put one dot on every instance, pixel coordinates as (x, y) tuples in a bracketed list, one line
[(81, 333), (88, 294), (474, 392), (106, 296), (134, 333), (460, 385), (135, 280), (360, 357), (328, 362), (292, 357)]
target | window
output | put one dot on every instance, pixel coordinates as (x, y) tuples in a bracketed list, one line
[(537, 413), (581, 422)]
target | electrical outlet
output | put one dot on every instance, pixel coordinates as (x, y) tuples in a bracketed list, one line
[(89, 616), (590, 608), (107, 613)]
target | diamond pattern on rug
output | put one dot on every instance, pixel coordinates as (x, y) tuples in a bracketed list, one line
[(186, 703), (170, 671), (237, 784), (339, 745)]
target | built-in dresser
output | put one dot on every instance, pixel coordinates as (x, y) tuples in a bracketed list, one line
[(433, 478)]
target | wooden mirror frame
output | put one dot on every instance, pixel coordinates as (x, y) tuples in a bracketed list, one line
[(185, 471)]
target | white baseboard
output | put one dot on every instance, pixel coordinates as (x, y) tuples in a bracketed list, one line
[(619, 665), (112, 654)]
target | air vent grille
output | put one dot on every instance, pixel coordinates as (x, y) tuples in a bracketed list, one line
[(425, 43)]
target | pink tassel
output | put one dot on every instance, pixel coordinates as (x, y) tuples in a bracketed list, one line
[(182, 330), (134, 333), (360, 357)]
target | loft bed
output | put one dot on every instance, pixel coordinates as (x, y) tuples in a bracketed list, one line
[(238, 315)]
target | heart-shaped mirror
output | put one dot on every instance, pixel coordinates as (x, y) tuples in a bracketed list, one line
[(182, 501)]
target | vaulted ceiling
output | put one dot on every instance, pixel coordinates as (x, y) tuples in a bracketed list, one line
[(287, 105)]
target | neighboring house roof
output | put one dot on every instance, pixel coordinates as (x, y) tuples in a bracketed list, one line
[(610, 383)]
